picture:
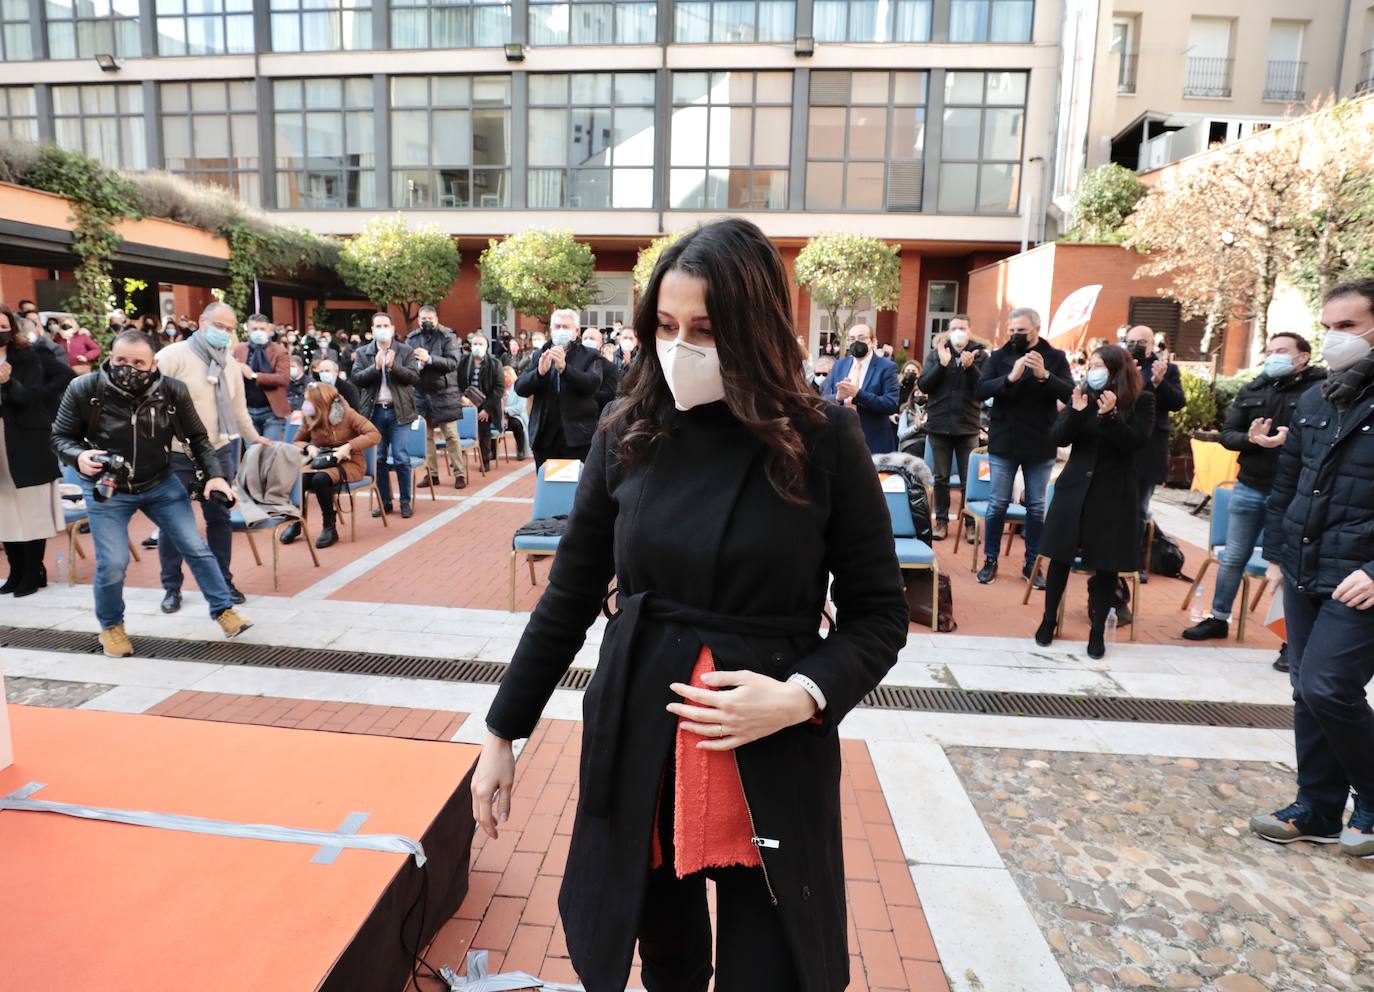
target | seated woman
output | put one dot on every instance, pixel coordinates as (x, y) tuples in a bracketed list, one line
[(517, 419), (1095, 512), (330, 425)]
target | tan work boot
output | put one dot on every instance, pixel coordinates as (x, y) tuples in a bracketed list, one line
[(115, 642), (231, 623), (939, 530)]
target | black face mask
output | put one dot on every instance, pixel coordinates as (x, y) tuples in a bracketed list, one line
[(130, 379), (1137, 351), (1020, 343), (909, 378), (5, 338), (859, 349), (426, 325)]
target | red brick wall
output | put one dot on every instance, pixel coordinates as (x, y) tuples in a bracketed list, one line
[(19, 282), (190, 300)]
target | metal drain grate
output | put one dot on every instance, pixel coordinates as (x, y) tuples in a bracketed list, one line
[(1109, 708)]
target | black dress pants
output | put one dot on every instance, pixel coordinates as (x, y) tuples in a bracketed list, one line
[(322, 485), (752, 954)]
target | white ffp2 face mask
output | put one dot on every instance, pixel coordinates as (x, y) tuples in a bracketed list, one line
[(1341, 349), (692, 373)]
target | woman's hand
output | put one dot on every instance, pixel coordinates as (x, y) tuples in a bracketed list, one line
[(312, 451), (1080, 398), (492, 782), (1106, 403), (753, 707), (343, 451)]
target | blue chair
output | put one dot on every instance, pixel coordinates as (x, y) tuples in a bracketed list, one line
[(290, 432), (415, 452), (467, 436), (72, 519), (368, 482), (1255, 569), (275, 524), (977, 491), (912, 553), (552, 498)]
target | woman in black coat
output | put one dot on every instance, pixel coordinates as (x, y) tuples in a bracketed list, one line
[(1095, 513), (30, 508), (718, 494)]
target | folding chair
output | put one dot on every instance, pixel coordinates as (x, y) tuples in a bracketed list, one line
[(275, 524), (552, 498), (977, 491), (912, 553), (415, 452), (467, 436), (368, 482), (72, 519)]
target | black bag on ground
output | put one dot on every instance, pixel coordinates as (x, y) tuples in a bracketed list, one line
[(1166, 557), (918, 600)]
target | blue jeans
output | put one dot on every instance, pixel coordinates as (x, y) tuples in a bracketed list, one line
[(167, 506), (1003, 471), (1329, 665), (219, 530), (1243, 526), (391, 454), (267, 423)]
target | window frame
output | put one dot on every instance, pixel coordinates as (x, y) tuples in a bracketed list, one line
[(74, 19), (617, 21), (891, 25), (297, 10), (432, 11), (435, 168), (15, 27), (227, 115), (284, 173), (8, 118), (984, 35), (184, 18), (981, 161), (714, 6), (136, 117)]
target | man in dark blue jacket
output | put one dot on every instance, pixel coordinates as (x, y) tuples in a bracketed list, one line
[(1319, 530), (867, 381), (1025, 379)]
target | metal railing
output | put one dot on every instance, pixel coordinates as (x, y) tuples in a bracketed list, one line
[(1366, 80), (1208, 77), (1125, 76), (1284, 80)]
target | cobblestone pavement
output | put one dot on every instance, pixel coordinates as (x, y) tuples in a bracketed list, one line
[(49, 692), (1142, 873)]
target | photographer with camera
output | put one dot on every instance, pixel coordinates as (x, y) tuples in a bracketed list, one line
[(333, 436), (117, 425)]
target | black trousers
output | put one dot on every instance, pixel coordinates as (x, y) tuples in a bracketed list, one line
[(752, 954), (576, 452), (1101, 593), (944, 449), (1330, 661), (322, 485)]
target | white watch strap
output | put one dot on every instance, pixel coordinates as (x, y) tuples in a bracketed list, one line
[(811, 687)]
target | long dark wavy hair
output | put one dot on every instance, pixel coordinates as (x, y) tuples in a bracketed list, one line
[(751, 320), (1123, 375)]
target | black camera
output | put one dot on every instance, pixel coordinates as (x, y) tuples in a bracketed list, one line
[(198, 493), (114, 472)]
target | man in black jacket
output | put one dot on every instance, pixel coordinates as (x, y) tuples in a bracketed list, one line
[(1319, 531), (564, 380), (438, 394), (385, 371), (1025, 379), (479, 370), (1263, 406), (949, 380), (126, 408), (1161, 377)]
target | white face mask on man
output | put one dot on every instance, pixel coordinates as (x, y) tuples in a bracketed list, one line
[(692, 372)]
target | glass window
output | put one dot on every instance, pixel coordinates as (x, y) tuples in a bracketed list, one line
[(103, 122), (450, 23), (591, 142), (16, 40), (18, 114), (717, 21), (210, 134), (82, 29), (865, 144), (321, 25), (991, 20), (981, 142), (450, 141), (204, 27), (872, 20), (730, 140), (324, 143), (593, 22)]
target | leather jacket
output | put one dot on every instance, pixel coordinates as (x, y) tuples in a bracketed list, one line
[(95, 413)]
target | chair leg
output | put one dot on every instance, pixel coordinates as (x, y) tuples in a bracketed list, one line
[(377, 495), (1149, 543), (276, 559), (1030, 583), (1241, 613), (935, 598), (1012, 530), (134, 551), (73, 548), (529, 560), (1201, 573), (309, 544), (1264, 586), (1135, 603), (253, 547), (1059, 616), (512, 581)]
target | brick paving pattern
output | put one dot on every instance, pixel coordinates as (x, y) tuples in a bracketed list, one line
[(311, 714), (1143, 874)]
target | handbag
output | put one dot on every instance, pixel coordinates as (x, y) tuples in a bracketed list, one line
[(325, 459), (917, 584), (475, 396)]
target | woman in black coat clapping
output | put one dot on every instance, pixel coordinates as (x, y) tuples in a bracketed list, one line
[(1095, 513)]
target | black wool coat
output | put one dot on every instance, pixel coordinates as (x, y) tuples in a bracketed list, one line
[(1153, 460), (579, 388), (1319, 521), (24, 407), (1095, 511), (951, 406), (703, 550), (1023, 411)]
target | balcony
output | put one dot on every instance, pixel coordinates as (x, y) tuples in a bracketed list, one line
[(1366, 81), (1125, 75), (1208, 78), (1284, 81)]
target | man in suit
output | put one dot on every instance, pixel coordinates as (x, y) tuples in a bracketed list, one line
[(1161, 377), (866, 381), (564, 379)]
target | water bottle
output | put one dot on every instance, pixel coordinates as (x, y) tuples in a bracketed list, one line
[(1109, 635), (1198, 611), (59, 565)]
